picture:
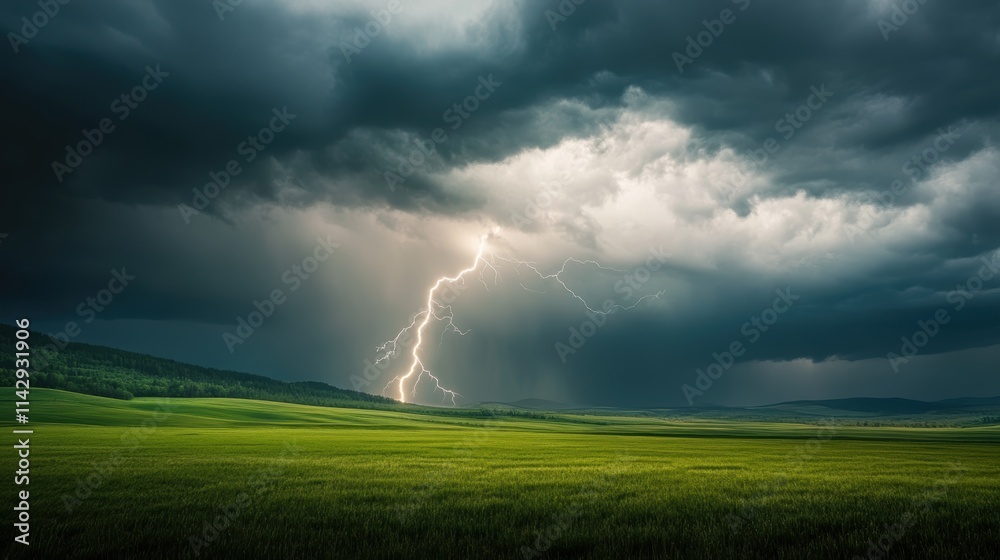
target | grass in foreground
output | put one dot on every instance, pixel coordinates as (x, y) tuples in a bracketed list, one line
[(290, 481)]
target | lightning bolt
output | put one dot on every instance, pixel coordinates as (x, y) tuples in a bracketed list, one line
[(435, 310), (431, 311)]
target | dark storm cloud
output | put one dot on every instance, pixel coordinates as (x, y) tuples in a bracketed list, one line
[(225, 76), (559, 79)]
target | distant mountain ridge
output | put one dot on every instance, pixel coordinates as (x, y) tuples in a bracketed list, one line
[(974, 401), (891, 405), (972, 410)]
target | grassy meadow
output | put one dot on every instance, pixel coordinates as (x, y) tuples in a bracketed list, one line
[(229, 478)]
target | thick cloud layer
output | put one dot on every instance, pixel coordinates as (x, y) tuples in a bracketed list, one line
[(843, 151)]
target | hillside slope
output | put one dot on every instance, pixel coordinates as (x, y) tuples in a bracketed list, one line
[(109, 372)]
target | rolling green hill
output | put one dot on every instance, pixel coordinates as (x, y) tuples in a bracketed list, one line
[(109, 372)]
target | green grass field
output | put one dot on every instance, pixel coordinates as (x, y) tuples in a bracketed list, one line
[(225, 478)]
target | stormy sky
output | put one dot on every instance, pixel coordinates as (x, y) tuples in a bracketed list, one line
[(811, 185)]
